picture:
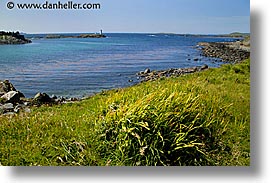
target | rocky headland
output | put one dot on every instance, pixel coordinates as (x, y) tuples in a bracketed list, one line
[(13, 101), (233, 52), (12, 38)]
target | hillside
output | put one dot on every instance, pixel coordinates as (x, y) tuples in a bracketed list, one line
[(197, 119)]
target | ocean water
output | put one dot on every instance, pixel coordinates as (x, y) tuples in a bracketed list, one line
[(76, 67)]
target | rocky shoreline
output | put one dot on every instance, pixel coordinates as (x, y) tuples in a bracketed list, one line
[(13, 101), (149, 75), (232, 52), (228, 52)]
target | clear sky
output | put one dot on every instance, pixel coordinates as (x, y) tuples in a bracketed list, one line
[(170, 16)]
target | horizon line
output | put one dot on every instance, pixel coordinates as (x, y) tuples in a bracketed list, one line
[(135, 33)]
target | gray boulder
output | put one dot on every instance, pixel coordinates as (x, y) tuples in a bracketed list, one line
[(21, 107), (5, 87), (9, 114), (12, 97), (42, 98), (147, 71), (8, 107), (204, 67)]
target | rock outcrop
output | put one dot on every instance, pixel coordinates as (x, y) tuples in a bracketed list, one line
[(12, 38), (148, 75), (12, 97), (42, 98), (227, 52), (13, 101)]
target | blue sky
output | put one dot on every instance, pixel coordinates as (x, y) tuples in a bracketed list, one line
[(171, 16)]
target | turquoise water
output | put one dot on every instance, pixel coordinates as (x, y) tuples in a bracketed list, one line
[(78, 67)]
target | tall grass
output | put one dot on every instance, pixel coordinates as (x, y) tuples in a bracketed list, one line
[(196, 119), (168, 127)]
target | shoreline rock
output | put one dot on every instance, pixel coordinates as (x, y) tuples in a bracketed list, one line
[(227, 51), (13, 101), (148, 75)]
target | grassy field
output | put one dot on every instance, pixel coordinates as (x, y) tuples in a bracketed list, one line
[(196, 119)]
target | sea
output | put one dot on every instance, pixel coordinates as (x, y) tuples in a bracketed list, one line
[(79, 67)]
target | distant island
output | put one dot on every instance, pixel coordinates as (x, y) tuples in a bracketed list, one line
[(59, 36), (17, 38), (12, 38), (233, 35)]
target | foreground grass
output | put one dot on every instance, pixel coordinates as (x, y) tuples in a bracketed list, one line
[(197, 119)]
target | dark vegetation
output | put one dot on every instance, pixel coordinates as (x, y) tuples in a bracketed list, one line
[(12, 38)]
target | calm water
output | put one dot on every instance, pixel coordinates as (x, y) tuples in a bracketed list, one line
[(79, 67)]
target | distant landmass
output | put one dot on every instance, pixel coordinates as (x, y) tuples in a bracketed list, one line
[(233, 34), (66, 35), (19, 38), (12, 38), (238, 34), (58, 36)]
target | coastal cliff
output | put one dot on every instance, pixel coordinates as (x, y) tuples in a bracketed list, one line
[(12, 38)]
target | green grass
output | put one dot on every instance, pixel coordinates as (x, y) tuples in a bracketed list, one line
[(196, 119)]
